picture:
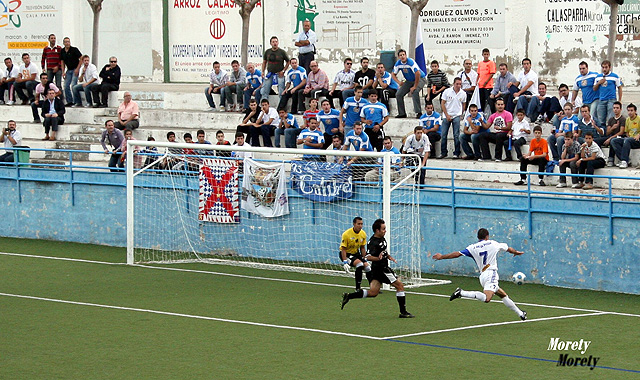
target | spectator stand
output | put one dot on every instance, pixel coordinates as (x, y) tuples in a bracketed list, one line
[(179, 108)]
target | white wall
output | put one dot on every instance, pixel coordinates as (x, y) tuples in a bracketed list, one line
[(132, 31)]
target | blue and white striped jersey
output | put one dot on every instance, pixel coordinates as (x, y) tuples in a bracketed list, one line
[(585, 83), (608, 88), (352, 109), (254, 79), (374, 112), (329, 120), (388, 79), (296, 76), (316, 137), (430, 121), (359, 142), (408, 69)]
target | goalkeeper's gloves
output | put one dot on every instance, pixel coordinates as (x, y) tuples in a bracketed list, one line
[(346, 267), (346, 262)]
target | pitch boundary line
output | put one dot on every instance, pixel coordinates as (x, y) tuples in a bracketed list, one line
[(297, 281), (173, 314), (389, 339), (499, 354), (492, 325)]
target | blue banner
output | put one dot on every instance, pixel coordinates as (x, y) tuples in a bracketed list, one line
[(321, 181)]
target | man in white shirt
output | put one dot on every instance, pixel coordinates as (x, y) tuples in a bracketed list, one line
[(306, 43), (10, 137), (520, 130), (344, 80), (485, 253), (88, 79), (217, 82), (564, 97), (417, 144), (527, 82), (26, 80), (453, 103), (239, 155), (8, 80), (267, 121), (469, 79)]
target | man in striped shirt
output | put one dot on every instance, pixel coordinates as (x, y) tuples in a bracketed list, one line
[(360, 142), (414, 81), (296, 79), (254, 83), (330, 119), (351, 110), (437, 82), (585, 82), (51, 61), (384, 84), (311, 138), (606, 84), (374, 116)]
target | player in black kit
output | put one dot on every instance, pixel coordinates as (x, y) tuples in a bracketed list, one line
[(379, 258)]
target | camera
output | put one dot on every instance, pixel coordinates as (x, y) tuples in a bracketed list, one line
[(6, 129)]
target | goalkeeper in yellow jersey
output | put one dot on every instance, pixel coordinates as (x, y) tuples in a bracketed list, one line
[(352, 250)]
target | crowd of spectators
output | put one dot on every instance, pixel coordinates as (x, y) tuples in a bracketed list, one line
[(32, 84), (503, 112)]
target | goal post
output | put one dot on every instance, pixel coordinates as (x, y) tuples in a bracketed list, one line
[(283, 209)]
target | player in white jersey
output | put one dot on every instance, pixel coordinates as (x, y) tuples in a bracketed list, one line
[(484, 252)]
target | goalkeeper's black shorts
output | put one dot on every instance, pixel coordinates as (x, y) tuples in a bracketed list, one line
[(352, 257)]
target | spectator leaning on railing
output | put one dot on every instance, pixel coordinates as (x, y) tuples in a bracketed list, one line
[(11, 138), (114, 138)]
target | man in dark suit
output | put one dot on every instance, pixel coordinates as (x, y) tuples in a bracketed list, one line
[(53, 114)]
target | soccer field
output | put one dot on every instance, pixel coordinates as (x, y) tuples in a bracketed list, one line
[(77, 311)]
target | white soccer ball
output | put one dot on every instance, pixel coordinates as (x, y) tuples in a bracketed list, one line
[(518, 278)]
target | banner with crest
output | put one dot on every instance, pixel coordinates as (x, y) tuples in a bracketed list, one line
[(264, 189)]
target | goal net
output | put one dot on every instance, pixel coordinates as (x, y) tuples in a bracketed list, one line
[(283, 209)]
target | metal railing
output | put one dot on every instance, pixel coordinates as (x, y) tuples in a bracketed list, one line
[(609, 197)]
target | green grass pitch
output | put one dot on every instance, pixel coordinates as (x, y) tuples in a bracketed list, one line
[(62, 319)]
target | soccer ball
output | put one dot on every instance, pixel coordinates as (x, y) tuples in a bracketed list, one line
[(518, 278)]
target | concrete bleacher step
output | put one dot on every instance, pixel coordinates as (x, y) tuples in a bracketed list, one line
[(163, 111), (511, 168), (85, 137)]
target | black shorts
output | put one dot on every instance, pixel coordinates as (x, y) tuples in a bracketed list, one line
[(384, 275), (352, 257)]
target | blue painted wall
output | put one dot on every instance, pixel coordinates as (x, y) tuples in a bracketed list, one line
[(565, 250)]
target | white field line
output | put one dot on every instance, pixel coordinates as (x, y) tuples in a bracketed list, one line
[(300, 282), (492, 325), (187, 316)]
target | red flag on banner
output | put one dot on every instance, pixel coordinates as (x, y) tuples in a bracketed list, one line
[(218, 200)]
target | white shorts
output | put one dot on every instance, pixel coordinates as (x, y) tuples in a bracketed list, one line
[(489, 280)]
